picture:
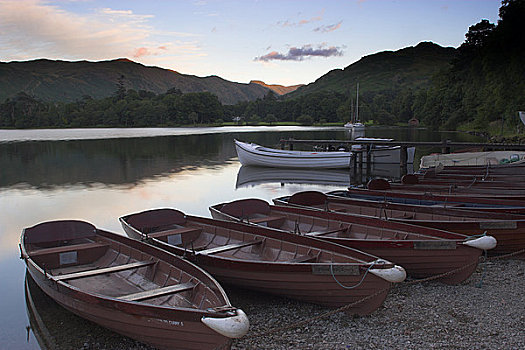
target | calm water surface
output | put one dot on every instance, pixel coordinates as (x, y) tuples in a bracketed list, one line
[(98, 175)]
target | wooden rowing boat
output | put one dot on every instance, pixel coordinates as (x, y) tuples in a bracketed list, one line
[(437, 200), (511, 169), (499, 190), (423, 252), (130, 287), (473, 159), (507, 229), (253, 154), (264, 260)]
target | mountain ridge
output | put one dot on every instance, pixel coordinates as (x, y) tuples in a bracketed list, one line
[(412, 66), (278, 89), (69, 81)]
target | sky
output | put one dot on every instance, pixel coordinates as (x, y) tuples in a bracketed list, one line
[(283, 42)]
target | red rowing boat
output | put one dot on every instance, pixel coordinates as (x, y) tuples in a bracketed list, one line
[(423, 252), (130, 287), (264, 260)]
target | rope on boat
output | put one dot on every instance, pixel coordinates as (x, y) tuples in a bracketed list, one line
[(348, 306), (354, 286)]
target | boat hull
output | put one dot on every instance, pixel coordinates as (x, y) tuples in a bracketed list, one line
[(421, 256), (510, 234), (318, 283), (250, 154), (456, 263), (507, 229), (177, 332), (160, 325)]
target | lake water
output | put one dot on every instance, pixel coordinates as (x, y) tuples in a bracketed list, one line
[(98, 175)]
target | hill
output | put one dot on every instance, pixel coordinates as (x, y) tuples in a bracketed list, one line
[(69, 81), (411, 67), (278, 89)]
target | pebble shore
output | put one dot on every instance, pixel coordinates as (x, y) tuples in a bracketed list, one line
[(485, 312)]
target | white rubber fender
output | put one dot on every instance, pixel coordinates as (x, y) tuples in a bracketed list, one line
[(484, 242), (394, 274), (231, 327)]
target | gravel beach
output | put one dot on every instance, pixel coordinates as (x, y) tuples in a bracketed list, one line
[(485, 312)]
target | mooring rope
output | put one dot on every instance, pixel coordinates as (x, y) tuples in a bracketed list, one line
[(354, 286)]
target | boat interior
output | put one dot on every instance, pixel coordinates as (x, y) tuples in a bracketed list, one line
[(319, 200), (73, 252), (172, 227), (259, 212)]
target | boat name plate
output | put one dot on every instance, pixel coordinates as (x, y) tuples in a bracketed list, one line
[(336, 269), (175, 239), (501, 225), (67, 258), (434, 245)]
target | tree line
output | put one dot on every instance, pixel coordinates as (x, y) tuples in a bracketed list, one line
[(130, 108)]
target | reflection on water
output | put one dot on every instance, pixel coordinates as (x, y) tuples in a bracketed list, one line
[(99, 180), (44, 164), (249, 176)]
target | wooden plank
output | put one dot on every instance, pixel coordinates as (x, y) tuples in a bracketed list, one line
[(302, 259), (320, 233), (148, 294), (267, 219), (104, 270), (225, 248), (67, 248), (174, 232)]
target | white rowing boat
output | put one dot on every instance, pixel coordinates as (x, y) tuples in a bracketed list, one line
[(253, 154), (472, 158)]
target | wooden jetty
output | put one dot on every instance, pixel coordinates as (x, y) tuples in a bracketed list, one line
[(445, 145)]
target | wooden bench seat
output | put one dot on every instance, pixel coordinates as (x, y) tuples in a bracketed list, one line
[(321, 233), (302, 259), (227, 247), (148, 294), (183, 230), (67, 248), (103, 270), (267, 220)]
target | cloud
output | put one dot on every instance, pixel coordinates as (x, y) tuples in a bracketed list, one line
[(144, 51), (301, 53), (37, 29), (328, 28), (301, 22)]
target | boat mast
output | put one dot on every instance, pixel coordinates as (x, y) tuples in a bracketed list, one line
[(357, 104)]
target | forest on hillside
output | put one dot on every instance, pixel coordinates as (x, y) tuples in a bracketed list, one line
[(484, 85)]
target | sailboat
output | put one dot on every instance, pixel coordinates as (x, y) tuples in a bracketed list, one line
[(355, 124)]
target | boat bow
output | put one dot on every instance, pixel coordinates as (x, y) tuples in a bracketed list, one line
[(393, 274), (231, 327), (484, 242)]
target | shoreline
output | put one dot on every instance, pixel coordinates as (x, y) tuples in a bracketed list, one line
[(418, 316)]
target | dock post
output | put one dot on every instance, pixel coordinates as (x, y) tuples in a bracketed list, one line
[(445, 148), (403, 159), (353, 164)]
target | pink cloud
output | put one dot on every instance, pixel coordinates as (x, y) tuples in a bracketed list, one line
[(141, 52)]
